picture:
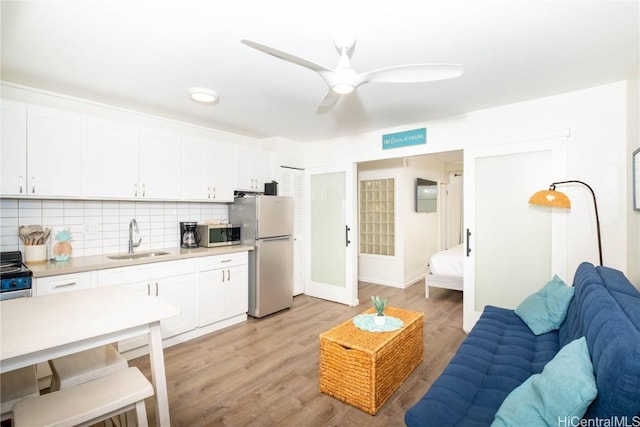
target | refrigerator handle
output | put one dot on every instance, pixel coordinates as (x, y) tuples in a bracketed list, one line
[(346, 232)]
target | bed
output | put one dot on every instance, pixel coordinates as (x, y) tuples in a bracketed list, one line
[(445, 270)]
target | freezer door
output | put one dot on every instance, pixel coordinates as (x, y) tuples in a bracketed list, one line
[(273, 287), (274, 216)]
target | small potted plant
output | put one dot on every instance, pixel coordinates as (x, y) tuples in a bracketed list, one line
[(379, 304)]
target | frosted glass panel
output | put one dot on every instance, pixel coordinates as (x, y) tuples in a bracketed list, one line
[(328, 228), (512, 241)]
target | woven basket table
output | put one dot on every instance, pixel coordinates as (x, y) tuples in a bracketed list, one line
[(364, 368)]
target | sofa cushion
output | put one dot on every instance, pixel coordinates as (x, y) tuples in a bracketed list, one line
[(563, 391), (546, 309), (606, 311), (498, 355)]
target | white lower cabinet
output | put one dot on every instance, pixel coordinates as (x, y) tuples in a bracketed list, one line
[(211, 293), (223, 287), (171, 281)]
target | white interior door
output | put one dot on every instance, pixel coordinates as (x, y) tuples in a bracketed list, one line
[(331, 225), (512, 249)]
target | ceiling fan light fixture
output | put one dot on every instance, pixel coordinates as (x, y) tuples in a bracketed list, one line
[(343, 88), (204, 96)]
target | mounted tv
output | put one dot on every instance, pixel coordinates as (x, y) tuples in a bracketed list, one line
[(426, 195)]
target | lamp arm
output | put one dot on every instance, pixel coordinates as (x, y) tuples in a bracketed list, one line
[(595, 205)]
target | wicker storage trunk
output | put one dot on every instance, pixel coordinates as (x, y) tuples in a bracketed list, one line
[(364, 368)]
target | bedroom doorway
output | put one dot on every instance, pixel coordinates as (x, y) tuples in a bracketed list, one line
[(396, 238)]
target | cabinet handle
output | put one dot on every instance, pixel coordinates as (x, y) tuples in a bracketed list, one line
[(468, 238), (144, 190), (214, 192), (228, 275), (226, 260), (33, 185), (149, 289), (64, 285), (135, 188), (223, 275), (156, 288), (20, 182), (209, 192)]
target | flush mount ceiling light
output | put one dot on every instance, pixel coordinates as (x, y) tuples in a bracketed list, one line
[(204, 95)]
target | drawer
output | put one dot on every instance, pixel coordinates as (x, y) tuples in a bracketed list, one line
[(222, 261), (65, 283), (140, 273)]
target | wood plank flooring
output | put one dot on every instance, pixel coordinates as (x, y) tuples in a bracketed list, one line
[(265, 372)]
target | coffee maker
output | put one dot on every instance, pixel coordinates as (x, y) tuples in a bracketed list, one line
[(189, 237)]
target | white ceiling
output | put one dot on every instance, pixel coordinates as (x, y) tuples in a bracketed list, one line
[(145, 55)]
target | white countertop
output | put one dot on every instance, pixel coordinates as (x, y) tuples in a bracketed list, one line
[(100, 262)]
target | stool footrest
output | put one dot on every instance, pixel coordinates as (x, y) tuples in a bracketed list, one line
[(91, 401)]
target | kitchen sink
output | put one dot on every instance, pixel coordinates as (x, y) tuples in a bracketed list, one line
[(129, 257)]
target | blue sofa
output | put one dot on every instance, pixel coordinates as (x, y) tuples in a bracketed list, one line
[(501, 352)]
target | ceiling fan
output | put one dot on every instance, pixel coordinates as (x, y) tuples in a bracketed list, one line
[(344, 79)]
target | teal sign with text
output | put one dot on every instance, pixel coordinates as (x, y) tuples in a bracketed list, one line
[(404, 139)]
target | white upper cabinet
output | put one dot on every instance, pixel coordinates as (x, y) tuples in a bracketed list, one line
[(42, 151), (207, 170), (126, 162), (252, 168), (13, 145), (160, 165), (112, 159), (56, 143)]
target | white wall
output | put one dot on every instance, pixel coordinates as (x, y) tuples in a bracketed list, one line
[(597, 154)]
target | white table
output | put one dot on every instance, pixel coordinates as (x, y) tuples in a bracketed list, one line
[(38, 329)]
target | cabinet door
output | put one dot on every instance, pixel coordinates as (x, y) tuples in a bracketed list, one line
[(221, 167), (55, 152), (210, 296), (236, 290), (160, 165), (181, 292), (196, 169), (112, 159), (13, 159)]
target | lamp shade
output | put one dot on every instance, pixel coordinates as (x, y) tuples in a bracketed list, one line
[(551, 198)]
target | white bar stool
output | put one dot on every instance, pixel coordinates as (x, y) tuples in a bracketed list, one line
[(78, 368), (15, 386)]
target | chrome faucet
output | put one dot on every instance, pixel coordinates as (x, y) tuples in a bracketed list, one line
[(133, 226)]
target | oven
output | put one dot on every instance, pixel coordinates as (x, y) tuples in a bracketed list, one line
[(15, 277)]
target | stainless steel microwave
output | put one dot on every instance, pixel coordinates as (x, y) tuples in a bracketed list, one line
[(212, 235)]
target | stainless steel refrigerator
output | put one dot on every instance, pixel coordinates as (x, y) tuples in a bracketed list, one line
[(266, 222)]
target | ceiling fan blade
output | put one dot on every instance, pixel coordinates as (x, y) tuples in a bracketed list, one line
[(412, 73), (328, 102), (284, 55)]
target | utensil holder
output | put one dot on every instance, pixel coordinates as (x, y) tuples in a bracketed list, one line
[(35, 253)]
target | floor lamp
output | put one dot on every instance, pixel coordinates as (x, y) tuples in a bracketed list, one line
[(556, 199)]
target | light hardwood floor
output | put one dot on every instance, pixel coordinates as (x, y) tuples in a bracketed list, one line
[(265, 372)]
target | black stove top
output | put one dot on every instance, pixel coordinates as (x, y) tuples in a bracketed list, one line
[(11, 265)]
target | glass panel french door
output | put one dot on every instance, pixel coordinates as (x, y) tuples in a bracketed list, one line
[(332, 235), (512, 249)]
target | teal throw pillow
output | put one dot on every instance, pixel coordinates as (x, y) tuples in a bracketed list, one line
[(557, 396), (545, 310)]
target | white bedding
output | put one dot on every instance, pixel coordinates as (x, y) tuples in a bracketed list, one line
[(448, 263)]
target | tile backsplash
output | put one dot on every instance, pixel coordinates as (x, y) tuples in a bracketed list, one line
[(102, 227)]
